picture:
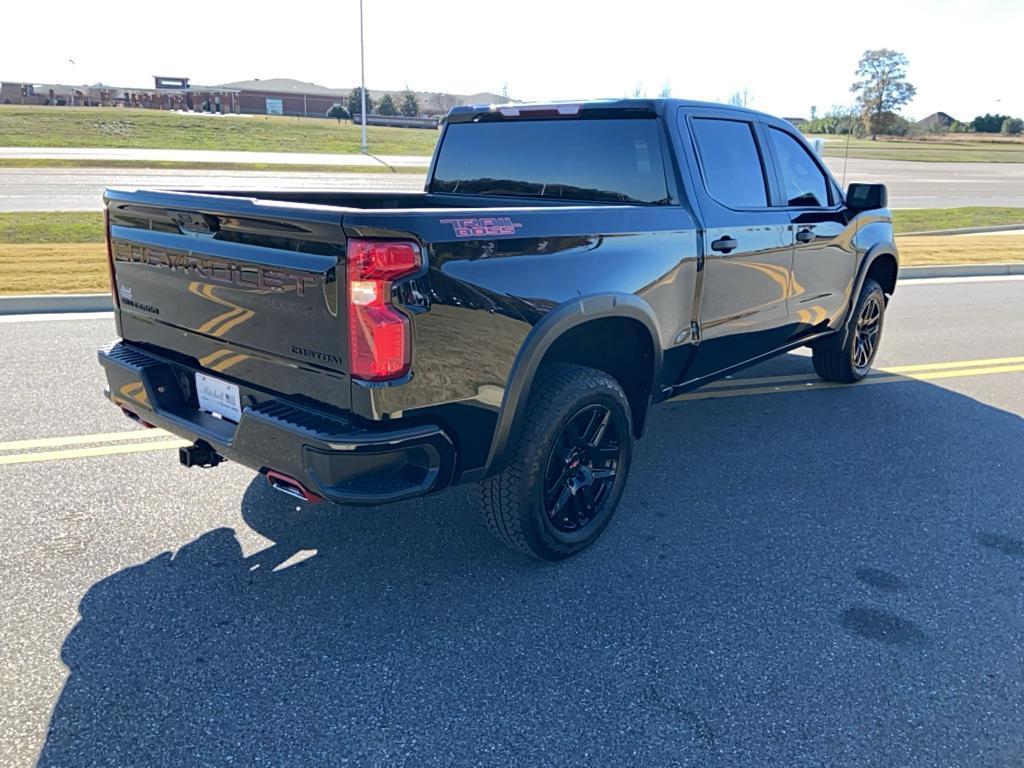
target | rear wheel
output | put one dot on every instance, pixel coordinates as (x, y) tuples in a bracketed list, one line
[(571, 454), (853, 360)]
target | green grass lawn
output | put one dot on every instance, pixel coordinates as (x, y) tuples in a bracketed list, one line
[(151, 129), (179, 165), (932, 219), (37, 227), (945, 150)]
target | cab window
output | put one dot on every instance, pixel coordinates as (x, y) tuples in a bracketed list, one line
[(803, 183), (730, 162)]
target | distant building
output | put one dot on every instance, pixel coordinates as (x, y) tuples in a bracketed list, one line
[(276, 96), (796, 122), (284, 96), (169, 93), (937, 121)]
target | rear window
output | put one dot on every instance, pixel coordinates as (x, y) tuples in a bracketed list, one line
[(731, 163), (591, 160)]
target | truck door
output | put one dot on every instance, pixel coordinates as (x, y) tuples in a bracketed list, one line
[(824, 258), (748, 244)]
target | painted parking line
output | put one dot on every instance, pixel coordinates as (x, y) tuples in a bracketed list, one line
[(102, 437), (100, 450), (805, 384), (895, 369), (141, 441)]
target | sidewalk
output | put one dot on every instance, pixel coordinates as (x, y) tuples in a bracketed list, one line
[(211, 156)]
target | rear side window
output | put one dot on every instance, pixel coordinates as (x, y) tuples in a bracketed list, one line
[(803, 183), (731, 163), (615, 160)]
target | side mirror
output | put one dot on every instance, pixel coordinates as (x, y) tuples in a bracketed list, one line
[(867, 197)]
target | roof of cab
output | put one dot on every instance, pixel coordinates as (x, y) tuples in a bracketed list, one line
[(552, 109)]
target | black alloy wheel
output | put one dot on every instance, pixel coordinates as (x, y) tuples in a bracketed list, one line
[(581, 468), (568, 464), (867, 333), (848, 357)]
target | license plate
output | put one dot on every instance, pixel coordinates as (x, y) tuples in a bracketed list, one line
[(218, 397)]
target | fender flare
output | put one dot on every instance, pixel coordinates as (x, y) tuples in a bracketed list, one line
[(550, 327), (874, 252)]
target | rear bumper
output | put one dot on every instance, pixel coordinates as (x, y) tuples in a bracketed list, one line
[(331, 456)]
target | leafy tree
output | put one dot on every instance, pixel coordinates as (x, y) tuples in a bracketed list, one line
[(355, 102), (339, 113), (988, 123), (1013, 126), (837, 121), (410, 106), (882, 87), (386, 106)]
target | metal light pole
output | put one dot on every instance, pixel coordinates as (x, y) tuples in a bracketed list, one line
[(362, 74)]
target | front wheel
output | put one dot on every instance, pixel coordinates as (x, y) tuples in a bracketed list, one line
[(568, 467), (852, 361)]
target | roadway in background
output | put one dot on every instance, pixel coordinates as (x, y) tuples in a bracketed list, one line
[(911, 184)]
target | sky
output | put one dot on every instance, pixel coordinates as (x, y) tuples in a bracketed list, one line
[(965, 56)]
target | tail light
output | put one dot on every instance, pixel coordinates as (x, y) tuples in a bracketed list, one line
[(379, 343), (110, 259)]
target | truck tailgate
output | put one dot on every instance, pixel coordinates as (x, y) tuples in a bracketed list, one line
[(240, 286)]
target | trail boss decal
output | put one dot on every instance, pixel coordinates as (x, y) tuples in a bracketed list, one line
[(489, 225)]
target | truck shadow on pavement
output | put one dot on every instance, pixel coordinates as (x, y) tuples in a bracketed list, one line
[(793, 578)]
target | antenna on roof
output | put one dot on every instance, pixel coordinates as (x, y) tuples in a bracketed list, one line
[(849, 133)]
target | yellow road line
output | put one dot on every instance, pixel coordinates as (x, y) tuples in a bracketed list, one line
[(104, 437), (805, 384), (157, 439), (80, 453), (767, 380)]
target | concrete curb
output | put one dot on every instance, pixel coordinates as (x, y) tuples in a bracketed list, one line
[(100, 302), (962, 270), (58, 303)]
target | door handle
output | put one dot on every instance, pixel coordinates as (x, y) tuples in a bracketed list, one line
[(805, 235), (725, 244)]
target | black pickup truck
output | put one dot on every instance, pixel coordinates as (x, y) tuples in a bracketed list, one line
[(566, 267)]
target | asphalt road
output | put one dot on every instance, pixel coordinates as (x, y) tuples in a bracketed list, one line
[(911, 185), (210, 156), (812, 576), (81, 189)]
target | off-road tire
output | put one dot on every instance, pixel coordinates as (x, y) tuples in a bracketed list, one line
[(513, 501), (833, 362)]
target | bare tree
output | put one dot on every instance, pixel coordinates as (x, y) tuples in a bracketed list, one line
[(742, 98), (445, 101), (666, 89)]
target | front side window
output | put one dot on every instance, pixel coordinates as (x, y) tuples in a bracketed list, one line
[(731, 163), (803, 183)]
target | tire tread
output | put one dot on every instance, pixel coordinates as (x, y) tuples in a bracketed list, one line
[(501, 495)]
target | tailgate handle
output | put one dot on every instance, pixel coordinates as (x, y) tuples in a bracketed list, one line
[(195, 224)]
